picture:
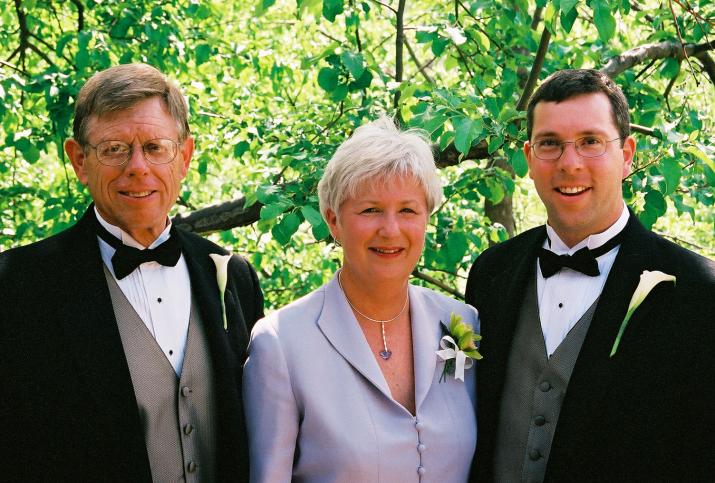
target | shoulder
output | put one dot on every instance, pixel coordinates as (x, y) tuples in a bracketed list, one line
[(508, 248), (294, 319), (443, 306), (44, 255)]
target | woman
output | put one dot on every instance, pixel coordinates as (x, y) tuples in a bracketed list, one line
[(343, 384)]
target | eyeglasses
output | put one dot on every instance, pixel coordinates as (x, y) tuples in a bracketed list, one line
[(587, 146), (117, 153)]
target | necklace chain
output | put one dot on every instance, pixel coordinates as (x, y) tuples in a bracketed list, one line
[(385, 353), (404, 306)]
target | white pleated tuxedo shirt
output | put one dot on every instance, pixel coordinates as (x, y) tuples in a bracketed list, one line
[(565, 296), (160, 295)]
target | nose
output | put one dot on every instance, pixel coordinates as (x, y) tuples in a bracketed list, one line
[(390, 226), (137, 164), (570, 159)]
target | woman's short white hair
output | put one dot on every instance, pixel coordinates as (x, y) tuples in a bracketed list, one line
[(379, 151)]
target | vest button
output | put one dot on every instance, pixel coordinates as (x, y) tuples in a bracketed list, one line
[(187, 429), (185, 391), (539, 420), (545, 386), (191, 467), (534, 454)]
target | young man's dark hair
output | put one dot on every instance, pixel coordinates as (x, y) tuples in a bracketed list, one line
[(569, 83)]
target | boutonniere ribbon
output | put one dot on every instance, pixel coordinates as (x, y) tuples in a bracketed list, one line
[(647, 282), (459, 348), (221, 262)]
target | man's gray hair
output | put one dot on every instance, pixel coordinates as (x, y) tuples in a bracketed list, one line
[(378, 152), (121, 87)]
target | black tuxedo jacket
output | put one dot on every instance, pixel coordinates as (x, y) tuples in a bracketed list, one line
[(67, 405), (647, 413)]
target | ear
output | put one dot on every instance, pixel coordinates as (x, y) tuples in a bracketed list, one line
[(629, 152), (186, 151), (527, 154), (332, 219), (78, 158)]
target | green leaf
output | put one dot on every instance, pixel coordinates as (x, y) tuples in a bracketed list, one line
[(320, 232), (284, 229), (203, 53), (701, 156), (456, 246), (240, 148), (466, 131), (568, 18), (518, 162), (332, 8), (670, 69), (312, 215), (567, 5), (268, 212), (671, 171), (654, 201), (328, 79), (354, 63), (340, 93), (495, 143), (605, 23), (362, 83)]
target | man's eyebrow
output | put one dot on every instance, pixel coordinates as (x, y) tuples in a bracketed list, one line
[(553, 134)]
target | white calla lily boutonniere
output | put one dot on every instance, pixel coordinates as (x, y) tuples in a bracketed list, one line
[(647, 282), (221, 262), (459, 348)]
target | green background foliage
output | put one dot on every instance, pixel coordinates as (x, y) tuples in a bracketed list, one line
[(275, 86)]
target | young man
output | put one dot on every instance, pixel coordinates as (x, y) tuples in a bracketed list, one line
[(114, 359), (553, 403)]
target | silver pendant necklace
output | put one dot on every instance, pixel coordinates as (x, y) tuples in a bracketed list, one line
[(385, 353)]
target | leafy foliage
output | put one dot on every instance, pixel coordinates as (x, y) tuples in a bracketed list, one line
[(275, 86)]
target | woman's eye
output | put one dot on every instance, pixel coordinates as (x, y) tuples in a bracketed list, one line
[(407, 210), (370, 210)]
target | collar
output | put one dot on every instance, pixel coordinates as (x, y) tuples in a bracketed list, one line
[(592, 241), (126, 238)]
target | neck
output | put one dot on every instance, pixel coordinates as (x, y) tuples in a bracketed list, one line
[(381, 300)]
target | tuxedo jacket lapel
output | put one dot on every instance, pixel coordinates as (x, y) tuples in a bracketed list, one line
[(90, 331), (594, 370)]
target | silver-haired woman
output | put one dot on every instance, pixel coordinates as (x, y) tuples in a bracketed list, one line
[(343, 385)]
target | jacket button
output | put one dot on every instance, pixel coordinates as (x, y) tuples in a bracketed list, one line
[(421, 470), (539, 420), (421, 448), (534, 454)]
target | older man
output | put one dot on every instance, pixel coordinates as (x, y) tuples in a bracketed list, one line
[(567, 391), (115, 360)]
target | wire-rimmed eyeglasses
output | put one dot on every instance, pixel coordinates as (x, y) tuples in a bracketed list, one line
[(117, 153), (587, 146)]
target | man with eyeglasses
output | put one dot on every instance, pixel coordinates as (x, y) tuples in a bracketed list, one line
[(116, 361), (566, 391)]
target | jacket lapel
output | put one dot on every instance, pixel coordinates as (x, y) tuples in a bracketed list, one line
[(426, 333), (87, 320), (594, 368), (339, 326)]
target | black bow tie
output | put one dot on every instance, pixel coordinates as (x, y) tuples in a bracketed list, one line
[(126, 259), (584, 260)]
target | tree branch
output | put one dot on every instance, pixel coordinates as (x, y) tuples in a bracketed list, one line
[(219, 217), (423, 276), (535, 69), (661, 50), (708, 65), (400, 40), (420, 67)]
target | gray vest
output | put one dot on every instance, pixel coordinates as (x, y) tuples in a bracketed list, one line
[(178, 414), (534, 390)]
